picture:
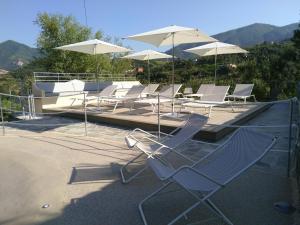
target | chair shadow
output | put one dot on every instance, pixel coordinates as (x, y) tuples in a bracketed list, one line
[(94, 173)]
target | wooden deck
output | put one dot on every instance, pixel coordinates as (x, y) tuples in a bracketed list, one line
[(143, 117)]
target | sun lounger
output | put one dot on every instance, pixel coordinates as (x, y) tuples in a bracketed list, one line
[(210, 100), (214, 171), (105, 93), (134, 93), (204, 89), (242, 91), (165, 96), (193, 125), (150, 90)]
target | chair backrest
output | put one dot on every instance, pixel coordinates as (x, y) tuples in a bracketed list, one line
[(108, 91), (218, 94), (168, 93), (243, 89), (151, 88), (192, 126), (188, 90), (205, 89), (135, 91), (91, 86), (243, 149)]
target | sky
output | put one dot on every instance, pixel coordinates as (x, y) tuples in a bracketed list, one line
[(120, 18)]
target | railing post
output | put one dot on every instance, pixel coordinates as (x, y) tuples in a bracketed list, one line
[(85, 115), (2, 118), (158, 115), (29, 107)]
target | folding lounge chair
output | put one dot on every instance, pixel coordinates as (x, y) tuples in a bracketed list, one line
[(204, 89), (210, 100), (133, 94), (217, 169), (105, 93), (165, 96), (242, 91), (193, 125)]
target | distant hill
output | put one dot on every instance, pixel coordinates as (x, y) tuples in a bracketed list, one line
[(14, 54), (247, 36)]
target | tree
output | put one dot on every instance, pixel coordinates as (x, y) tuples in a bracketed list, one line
[(57, 30)]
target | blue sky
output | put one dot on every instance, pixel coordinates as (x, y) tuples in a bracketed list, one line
[(120, 18)]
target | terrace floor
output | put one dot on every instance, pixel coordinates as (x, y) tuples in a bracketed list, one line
[(143, 117), (79, 178)]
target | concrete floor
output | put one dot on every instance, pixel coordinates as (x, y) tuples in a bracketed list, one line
[(78, 177)]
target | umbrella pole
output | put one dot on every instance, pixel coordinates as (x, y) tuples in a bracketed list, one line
[(173, 73), (216, 66), (148, 71)]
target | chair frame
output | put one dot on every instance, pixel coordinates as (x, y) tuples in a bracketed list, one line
[(155, 152), (206, 199)]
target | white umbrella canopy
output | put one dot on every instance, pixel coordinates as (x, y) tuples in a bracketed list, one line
[(147, 55), (93, 47), (216, 48), (172, 35)]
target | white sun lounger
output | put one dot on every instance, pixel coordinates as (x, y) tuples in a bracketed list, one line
[(214, 171), (150, 90), (210, 100), (165, 96), (105, 93), (242, 91), (134, 93), (193, 125), (204, 89)]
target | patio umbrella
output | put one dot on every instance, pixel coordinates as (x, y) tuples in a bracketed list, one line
[(216, 48), (172, 35), (93, 47), (147, 55)]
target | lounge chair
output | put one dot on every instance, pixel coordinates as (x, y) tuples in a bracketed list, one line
[(214, 171), (210, 100), (165, 96), (204, 89), (150, 90), (242, 91), (193, 125), (107, 92), (133, 93)]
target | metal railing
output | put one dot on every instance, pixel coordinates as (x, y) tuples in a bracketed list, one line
[(91, 77)]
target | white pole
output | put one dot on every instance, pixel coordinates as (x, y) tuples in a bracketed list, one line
[(173, 73), (216, 53), (2, 118), (148, 71), (158, 115), (85, 115)]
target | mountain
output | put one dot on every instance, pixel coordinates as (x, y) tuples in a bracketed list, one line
[(247, 36), (14, 54)]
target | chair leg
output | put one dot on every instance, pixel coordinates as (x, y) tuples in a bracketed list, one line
[(115, 106), (210, 109), (124, 180), (148, 197), (217, 211)]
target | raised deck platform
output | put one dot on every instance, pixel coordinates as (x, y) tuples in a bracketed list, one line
[(143, 117)]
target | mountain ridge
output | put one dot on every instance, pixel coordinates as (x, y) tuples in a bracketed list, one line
[(14, 54), (247, 36)]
